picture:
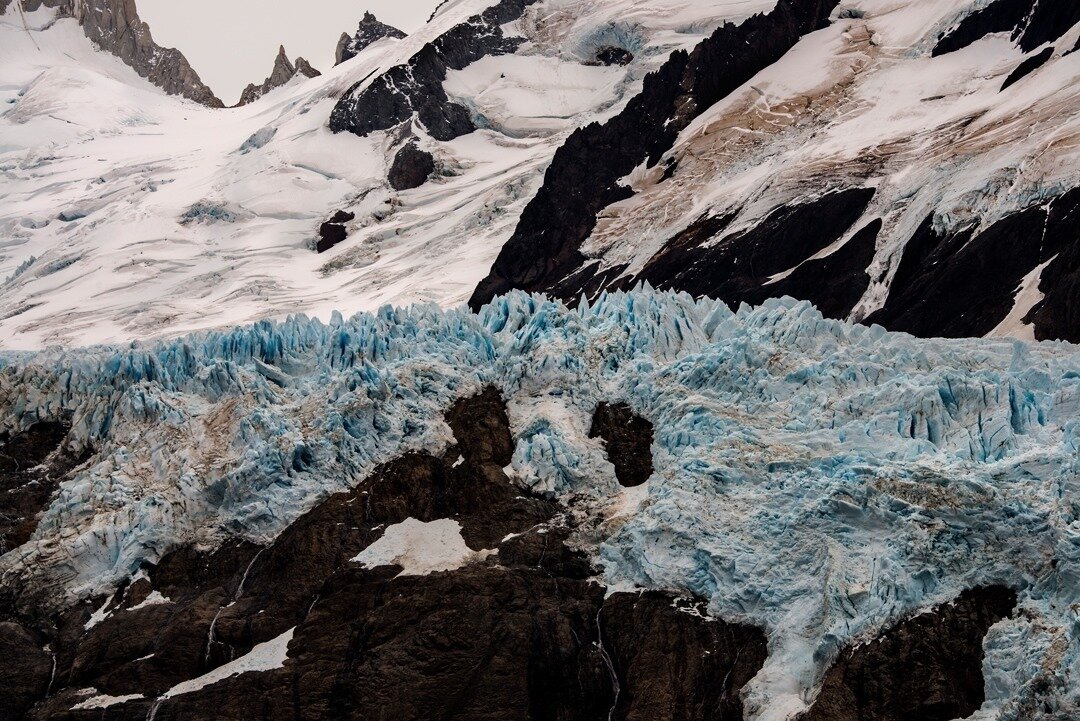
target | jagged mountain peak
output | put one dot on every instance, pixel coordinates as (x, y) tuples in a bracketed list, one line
[(370, 30), (283, 71)]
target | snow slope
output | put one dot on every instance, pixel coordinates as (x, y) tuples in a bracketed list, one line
[(816, 478), (863, 103), (176, 217)]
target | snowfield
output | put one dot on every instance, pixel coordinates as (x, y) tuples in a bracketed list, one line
[(817, 478), (126, 213)]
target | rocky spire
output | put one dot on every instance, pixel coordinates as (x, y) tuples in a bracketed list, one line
[(284, 71), (115, 27), (369, 31)]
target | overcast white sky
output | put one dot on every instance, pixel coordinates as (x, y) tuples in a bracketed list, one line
[(231, 43)]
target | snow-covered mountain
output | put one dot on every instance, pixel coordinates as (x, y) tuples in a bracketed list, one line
[(631, 481), (902, 173)]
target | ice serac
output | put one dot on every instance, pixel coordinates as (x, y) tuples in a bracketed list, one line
[(815, 483), (284, 71), (584, 176), (371, 30), (115, 27)]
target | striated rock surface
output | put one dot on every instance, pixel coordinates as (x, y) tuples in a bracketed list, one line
[(370, 31), (284, 71)]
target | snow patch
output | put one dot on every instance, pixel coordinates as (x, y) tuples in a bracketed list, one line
[(421, 548), (264, 657)]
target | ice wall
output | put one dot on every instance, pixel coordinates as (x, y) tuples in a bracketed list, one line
[(818, 478)]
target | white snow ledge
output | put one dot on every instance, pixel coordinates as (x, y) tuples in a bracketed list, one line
[(421, 548), (264, 657)]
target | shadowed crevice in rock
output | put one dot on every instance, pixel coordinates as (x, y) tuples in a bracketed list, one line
[(628, 441), (585, 174), (928, 667)]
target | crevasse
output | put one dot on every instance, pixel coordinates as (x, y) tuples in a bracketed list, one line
[(817, 478)]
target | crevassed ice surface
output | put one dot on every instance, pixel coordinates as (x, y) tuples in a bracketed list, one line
[(817, 478)]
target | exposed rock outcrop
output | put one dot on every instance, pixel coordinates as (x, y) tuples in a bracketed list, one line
[(981, 273), (911, 671), (415, 89), (370, 31), (334, 231), (115, 27), (1031, 23), (584, 177), (411, 167), (32, 464), (741, 265), (628, 440), (284, 71)]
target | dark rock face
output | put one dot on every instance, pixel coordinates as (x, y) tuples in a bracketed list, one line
[(1031, 22), (333, 231), (115, 27), (526, 634), (583, 178), (998, 17), (928, 667), (835, 283), (610, 55), (25, 672), (369, 32), (1049, 20), (284, 71), (628, 439), (738, 267), (411, 168), (416, 88), (1029, 66), (32, 465), (964, 284)]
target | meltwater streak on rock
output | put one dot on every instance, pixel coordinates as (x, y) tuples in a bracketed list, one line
[(820, 480)]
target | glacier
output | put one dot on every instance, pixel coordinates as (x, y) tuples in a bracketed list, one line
[(816, 478)]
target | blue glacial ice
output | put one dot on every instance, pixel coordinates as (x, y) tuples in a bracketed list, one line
[(817, 478)]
